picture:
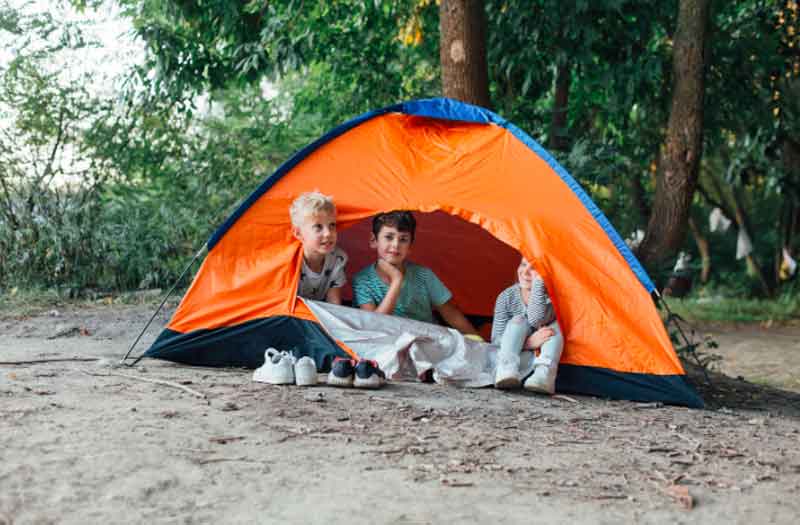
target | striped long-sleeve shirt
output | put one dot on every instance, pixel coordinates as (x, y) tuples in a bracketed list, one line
[(538, 312)]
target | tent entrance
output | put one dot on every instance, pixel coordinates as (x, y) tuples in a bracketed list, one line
[(472, 263)]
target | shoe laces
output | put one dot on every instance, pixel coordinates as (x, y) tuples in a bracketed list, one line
[(276, 357)]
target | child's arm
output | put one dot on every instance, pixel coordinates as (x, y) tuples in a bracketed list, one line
[(540, 309), (539, 337), (502, 315), (334, 296), (453, 317), (338, 278), (389, 300)]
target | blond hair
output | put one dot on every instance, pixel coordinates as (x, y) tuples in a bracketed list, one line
[(310, 203)]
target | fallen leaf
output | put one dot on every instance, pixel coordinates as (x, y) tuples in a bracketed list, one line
[(454, 483), (681, 494)]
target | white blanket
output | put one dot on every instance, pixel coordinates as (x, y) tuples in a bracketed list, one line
[(405, 348)]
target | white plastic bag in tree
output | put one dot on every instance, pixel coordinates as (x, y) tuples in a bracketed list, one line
[(788, 266), (717, 221), (682, 264), (635, 239), (743, 245)]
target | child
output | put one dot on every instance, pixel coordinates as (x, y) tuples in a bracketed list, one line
[(322, 276), (396, 286), (314, 225), (522, 314)]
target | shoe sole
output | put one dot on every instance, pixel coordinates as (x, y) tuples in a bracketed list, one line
[(373, 381), (306, 381), (508, 383), (538, 389), (305, 375), (339, 381), (285, 380)]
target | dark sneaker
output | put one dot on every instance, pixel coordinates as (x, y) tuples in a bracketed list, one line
[(341, 373), (426, 376), (368, 375)]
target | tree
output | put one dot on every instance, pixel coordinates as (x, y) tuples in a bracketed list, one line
[(462, 51), (680, 157)]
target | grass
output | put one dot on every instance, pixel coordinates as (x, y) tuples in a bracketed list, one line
[(726, 309)]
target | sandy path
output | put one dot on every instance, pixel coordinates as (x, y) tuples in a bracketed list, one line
[(80, 446)]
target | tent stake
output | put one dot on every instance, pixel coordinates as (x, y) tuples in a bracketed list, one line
[(175, 284)]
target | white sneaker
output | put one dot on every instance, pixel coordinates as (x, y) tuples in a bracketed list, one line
[(305, 372), (278, 368), (543, 378), (506, 375)]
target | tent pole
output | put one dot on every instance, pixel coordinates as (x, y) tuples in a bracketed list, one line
[(174, 285)]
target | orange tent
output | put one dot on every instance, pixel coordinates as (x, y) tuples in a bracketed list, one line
[(484, 192)]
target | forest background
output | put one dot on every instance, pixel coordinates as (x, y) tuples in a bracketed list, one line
[(662, 110)]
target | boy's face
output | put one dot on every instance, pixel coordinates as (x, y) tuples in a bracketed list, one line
[(392, 245), (526, 274), (317, 233)]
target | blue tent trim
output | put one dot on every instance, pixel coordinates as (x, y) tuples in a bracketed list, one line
[(445, 109)]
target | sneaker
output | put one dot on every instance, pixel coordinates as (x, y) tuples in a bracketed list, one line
[(305, 372), (543, 378), (368, 375), (278, 368), (507, 373), (342, 372), (426, 376)]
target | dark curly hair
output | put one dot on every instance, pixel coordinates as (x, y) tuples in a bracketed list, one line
[(402, 220)]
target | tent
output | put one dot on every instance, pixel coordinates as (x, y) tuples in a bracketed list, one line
[(484, 192)]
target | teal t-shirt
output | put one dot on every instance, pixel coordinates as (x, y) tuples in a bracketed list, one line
[(421, 291)]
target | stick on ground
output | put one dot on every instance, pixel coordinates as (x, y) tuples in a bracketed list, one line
[(54, 360), (154, 381)]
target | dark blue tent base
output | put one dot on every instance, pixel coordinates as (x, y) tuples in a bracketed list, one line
[(243, 346), (602, 382)]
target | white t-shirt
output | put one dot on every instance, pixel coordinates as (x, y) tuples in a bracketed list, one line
[(316, 285)]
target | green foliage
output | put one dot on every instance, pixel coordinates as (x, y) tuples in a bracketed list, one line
[(229, 90), (710, 308)]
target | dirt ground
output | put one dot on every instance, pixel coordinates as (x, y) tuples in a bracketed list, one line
[(85, 442)]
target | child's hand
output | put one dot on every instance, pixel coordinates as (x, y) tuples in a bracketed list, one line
[(393, 272), (539, 337)]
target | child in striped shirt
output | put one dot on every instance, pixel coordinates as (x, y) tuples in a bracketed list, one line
[(524, 319)]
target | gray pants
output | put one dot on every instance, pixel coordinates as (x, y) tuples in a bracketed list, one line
[(517, 331)]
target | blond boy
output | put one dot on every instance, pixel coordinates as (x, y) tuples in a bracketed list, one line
[(322, 275)]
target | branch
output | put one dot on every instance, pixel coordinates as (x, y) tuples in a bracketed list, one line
[(154, 381), (54, 360)]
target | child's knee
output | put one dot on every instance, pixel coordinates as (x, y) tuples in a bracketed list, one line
[(518, 320)]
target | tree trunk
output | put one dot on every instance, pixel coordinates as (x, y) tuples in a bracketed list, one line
[(639, 199), (680, 158), (559, 139), (462, 51)]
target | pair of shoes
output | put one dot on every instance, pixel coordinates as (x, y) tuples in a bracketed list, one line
[(282, 368), (506, 375), (362, 374)]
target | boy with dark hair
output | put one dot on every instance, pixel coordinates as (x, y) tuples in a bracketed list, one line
[(396, 286)]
